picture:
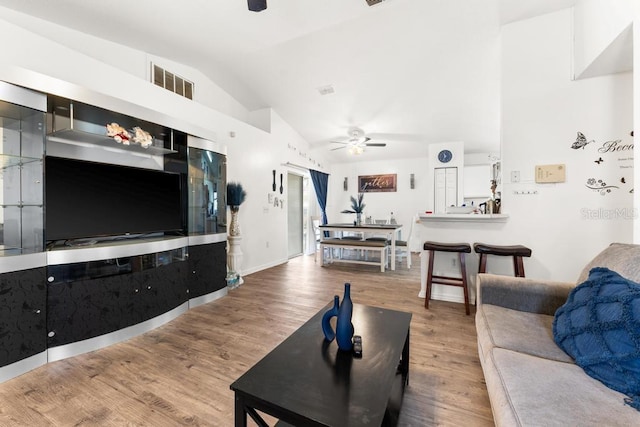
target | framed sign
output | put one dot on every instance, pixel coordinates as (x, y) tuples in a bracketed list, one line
[(377, 183)]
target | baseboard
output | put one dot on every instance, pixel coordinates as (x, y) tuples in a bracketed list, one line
[(450, 294), (22, 366), (203, 299), (246, 272)]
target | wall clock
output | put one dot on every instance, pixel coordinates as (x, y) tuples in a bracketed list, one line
[(445, 156)]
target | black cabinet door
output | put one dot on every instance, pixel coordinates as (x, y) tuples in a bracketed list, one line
[(23, 296), (105, 301), (162, 289), (208, 268)]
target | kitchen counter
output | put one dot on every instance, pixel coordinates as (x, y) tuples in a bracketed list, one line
[(460, 228), (465, 217)]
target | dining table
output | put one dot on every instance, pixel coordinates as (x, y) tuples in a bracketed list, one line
[(390, 230)]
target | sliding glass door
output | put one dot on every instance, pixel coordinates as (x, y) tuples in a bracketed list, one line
[(295, 211)]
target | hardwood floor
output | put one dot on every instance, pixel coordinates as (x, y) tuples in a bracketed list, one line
[(179, 374)]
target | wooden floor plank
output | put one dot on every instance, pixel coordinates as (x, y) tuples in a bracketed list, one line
[(179, 374)]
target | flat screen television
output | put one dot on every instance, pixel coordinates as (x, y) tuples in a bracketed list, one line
[(85, 200)]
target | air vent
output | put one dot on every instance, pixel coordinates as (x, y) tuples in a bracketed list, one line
[(326, 90), (172, 82), (372, 2)]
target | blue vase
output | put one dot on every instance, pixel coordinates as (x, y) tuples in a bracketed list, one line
[(329, 335), (344, 327)]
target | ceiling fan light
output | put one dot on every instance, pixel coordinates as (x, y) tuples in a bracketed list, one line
[(356, 150)]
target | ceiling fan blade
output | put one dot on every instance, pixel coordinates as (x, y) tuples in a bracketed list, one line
[(339, 142), (337, 148), (376, 144)]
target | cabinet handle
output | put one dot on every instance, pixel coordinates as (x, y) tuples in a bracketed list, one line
[(51, 334), (50, 279), (36, 311)]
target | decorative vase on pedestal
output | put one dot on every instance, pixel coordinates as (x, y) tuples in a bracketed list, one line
[(358, 218), (234, 227), (234, 261), (344, 327)]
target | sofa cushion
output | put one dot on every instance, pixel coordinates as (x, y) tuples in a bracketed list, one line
[(521, 331), (599, 326), (543, 392), (620, 257)]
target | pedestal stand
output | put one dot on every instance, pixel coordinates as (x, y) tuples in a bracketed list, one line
[(234, 256)]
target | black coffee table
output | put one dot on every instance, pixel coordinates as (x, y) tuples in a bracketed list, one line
[(306, 381)]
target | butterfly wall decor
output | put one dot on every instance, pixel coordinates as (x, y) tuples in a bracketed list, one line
[(581, 141)]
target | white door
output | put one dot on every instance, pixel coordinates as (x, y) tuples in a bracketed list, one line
[(446, 189)]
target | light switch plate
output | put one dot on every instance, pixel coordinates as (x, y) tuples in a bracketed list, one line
[(551, 173)]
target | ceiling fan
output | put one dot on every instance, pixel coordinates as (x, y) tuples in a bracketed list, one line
[(357, 142)]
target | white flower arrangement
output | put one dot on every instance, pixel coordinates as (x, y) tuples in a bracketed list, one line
[(118, 133), (122, 136), (142, 137)]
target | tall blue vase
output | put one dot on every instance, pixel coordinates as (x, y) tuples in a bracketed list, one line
[(329, 334), (344, 327)]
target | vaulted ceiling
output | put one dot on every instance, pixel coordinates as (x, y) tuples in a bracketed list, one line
[(407, 72)]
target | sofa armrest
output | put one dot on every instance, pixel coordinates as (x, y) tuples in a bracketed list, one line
[(518, 293)]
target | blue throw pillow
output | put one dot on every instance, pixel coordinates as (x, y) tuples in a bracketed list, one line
[(599, 326)]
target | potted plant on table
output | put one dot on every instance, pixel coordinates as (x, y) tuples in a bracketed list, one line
[(357, 207), (235, 197)]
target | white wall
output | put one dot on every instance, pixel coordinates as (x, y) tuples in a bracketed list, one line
[(42, 64), (404, 203), (565, 224), (252, 156), (123, 58), (600, 26), (636, 110)]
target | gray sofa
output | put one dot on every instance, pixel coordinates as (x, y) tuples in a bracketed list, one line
[(531, 381)]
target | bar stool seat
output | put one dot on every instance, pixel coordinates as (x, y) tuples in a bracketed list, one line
[(515, 251), (460, 249)]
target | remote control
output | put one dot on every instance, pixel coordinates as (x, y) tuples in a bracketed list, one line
[(357, 346)]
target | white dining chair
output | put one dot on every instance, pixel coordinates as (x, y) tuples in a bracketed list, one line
[(315, 224), (402, 246), (377, 237)]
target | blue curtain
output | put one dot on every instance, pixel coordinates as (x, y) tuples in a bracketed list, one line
[(320, 184)]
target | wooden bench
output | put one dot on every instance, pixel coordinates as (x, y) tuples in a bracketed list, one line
[(358, 245)]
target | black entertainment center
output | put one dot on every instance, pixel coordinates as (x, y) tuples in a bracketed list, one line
[(107, 239)]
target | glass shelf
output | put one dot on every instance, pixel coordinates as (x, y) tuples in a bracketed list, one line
[(78, 137), (76, 123), (22, 129)]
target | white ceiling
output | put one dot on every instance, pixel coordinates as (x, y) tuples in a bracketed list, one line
[(408, 72)]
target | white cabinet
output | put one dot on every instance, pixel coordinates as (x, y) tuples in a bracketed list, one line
[(477, 181)]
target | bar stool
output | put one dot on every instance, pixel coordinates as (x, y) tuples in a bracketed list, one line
[(515, 251), (461, 249)]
